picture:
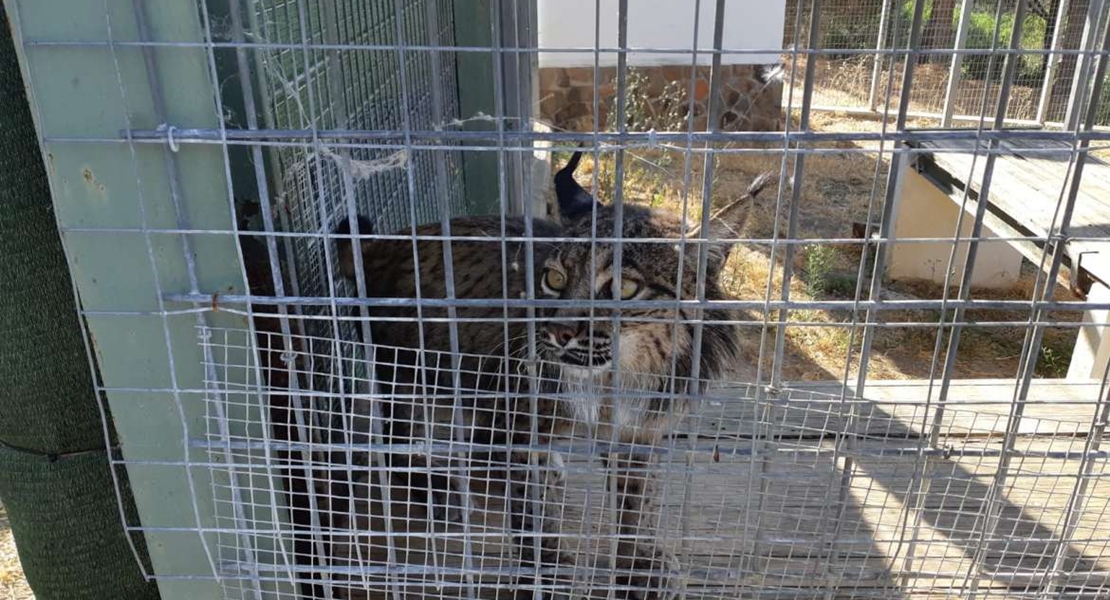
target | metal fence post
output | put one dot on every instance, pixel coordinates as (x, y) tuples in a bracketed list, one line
[(957, 59)]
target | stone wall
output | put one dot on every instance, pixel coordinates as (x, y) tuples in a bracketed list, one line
[(752, 99)]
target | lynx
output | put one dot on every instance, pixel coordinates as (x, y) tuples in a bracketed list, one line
[(636, 401)]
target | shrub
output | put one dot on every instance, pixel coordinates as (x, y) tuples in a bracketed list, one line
[(820, 262), (980, 34)]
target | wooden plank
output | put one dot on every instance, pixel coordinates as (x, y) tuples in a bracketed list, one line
[(1027, 186), (896, 410), (1037, 175)]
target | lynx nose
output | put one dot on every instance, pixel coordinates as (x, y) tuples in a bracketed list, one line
[(561, 334)]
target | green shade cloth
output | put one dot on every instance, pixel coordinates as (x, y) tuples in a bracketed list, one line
[(55, 480)]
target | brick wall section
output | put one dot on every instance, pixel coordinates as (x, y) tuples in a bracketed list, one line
[(749, 104)]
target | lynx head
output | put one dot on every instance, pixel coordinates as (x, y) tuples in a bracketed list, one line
[(650, 342)]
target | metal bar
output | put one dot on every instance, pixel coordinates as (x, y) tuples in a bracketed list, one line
[(687, 177), (965, 281), (261, 181), (683, 51), (462, 482), (796, 195), (594, 189), (1009, 68), (590, 449), (712, 124), (843, 444), (616, 139), (1034, 335), (1015, 235), (505, 207), (921, 463), (1100, 416), (312, 120), (506, 33), (762, 403), (870, 305), (613, 496), (744, 322)]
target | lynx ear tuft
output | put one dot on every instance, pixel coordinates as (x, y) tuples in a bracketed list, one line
[(574, 200)]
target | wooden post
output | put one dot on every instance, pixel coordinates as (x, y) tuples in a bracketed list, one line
[(877, 64), (1053, 62), (924, 211), (1092, 345), (1081, 78), (957, 60)]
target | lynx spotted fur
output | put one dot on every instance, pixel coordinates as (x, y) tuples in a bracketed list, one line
[(575, 346)]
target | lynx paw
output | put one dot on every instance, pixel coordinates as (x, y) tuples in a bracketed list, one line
[(553, 467)]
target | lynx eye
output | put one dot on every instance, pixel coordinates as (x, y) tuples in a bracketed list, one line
[(555, 280), (629, 288)]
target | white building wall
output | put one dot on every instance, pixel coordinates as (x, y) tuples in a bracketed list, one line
[(748, 25)]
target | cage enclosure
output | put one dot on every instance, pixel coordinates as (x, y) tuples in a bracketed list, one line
[(592, 299)]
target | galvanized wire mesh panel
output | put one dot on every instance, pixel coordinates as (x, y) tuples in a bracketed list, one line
[(322, 67), (358, 87), (756, 495), (878, 371)]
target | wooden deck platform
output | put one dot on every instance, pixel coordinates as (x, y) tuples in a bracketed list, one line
[(1029, 182), (819, 492)]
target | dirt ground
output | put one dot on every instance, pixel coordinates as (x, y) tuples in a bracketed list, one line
[(847, 83), (843, 185), (13, 586)]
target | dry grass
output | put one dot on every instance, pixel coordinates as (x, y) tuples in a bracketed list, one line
[(13, 585), (847, 83), (836, 190)]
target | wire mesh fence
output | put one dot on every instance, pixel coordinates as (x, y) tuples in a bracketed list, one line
[(958, 76), (910, 519), (851, 358)]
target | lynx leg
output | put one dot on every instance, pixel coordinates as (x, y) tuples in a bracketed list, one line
[(431, 479), (644, 565), (535, 514)]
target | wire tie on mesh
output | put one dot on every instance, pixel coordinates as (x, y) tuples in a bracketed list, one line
[(169, 129), (288, 357)]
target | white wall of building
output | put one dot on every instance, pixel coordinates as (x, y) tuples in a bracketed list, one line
[(748, 25)]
